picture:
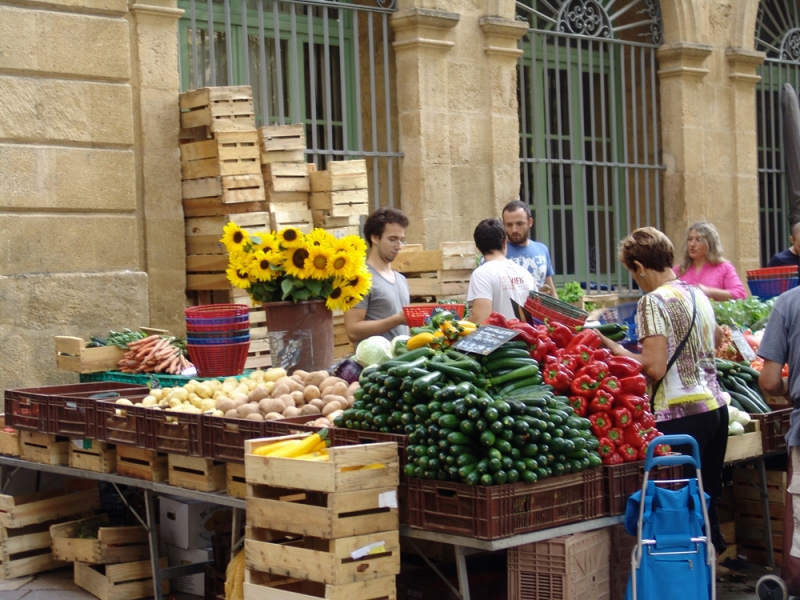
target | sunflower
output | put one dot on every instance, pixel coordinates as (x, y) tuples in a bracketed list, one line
[(361, 282), (319, 237), (295, 261), (234, 237), (237, 271), (343, 264), (261, 266), (341, 298), (318, 265), (291, 237), (356, 243), (268, 243)]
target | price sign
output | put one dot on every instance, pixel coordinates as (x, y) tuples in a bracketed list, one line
[(742, 346), (485, 340)]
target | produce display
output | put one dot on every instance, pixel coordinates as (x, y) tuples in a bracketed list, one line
[(155, 354)]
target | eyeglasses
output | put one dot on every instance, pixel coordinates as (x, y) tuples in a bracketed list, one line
[(396, 242)]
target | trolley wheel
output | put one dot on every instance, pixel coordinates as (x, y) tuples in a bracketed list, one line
[(771, 587)]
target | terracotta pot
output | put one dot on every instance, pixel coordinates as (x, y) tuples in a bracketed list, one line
[(300, 335)]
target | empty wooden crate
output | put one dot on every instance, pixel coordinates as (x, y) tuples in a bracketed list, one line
[(41, 507), (282, 143), (123, 581), (221, 109), (232, 153), (26, 551), (92, 541)]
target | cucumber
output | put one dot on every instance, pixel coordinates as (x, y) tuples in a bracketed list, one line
[(508, 363), (423, 383), (403, 369), (411, 355), (452, 371)]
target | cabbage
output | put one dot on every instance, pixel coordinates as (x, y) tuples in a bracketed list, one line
[(735, 428), (373, 351)]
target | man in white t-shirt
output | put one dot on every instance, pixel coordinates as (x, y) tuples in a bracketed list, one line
[(498, 280)]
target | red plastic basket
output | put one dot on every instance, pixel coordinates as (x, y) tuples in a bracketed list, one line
[(233, 324), (417, 313), (772, 273), (219, 360), (546, 308), (216, 311)]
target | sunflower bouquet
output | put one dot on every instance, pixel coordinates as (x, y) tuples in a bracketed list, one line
[(290, 265)]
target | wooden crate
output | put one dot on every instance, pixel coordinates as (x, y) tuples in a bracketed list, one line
[(232, 189), (73, 355), (92, 455), (282, 143), (323, 219), (286, 182), (142, 464), (231, 153), (113, 544), (203, 234), (437, 273), (746, 445), (221, 109), (41, 507), (748, 514), (258, 356), (263, 586), (340, 175), (332, 476), (26, 551), (196, 473), (9, 440), (323, 515), (302, 219), (346, 203), (236, 485), (44, 448), (124, 581), (324, 561)]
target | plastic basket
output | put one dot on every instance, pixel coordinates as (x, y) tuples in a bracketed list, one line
[(769, 288), (152, 380), (232, 324), (417, 313), (625, 479), (774, 426), (216, 335), (224, 437), (624, 314), (217, 311), (174, 432), (544, 307), (220, 360), (772, 273), (190, 340)]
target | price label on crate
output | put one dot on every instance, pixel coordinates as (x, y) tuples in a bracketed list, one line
[(485, 340), (742, 346)]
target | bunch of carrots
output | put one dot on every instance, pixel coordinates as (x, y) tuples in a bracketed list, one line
[(154, 354)]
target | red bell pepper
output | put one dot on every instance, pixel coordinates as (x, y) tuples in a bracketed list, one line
[(614, 459), (628, 452), (586, 337), (633, 435), (601, 401), (624, 366), (662, 450), (597, 370), (643, 452), (647, 419), (636, 385), (544, 347), (570, 361), (611, 385), (602, 354), (583, 354), (585, 385), (622, 416), (601, 424), (526, 332), (636, 404), (579, 404), (606, 447), (615, 435), (558, 376), (496, 319), (650, 434), (560, 334)]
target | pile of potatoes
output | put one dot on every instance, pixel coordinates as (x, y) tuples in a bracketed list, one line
[(261, 396)]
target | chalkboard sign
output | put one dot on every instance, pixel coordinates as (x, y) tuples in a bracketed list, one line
[(741, 345), (485, 340)]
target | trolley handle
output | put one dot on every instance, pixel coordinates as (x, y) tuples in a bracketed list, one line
[(651, 461)]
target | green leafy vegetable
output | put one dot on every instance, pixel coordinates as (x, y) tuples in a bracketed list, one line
[(572, 292), (751, 313)]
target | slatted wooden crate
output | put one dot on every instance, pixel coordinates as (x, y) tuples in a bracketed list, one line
[(111, 546), (437, 273), (142, 464), (26, 551), (236, 485), (747, 445), (196, 473), (9, 440), (263, 586), (92, 455), (203, 233), (213, 196), (340, 175), (124, 581), (72, 354), (231, 153), (286, 182), (40, 507), (282, 143), (345, 203), (302, 219), (748, 514), (44, 448), (221, 109)]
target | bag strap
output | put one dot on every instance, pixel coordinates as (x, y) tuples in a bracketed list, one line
[(678, 350)]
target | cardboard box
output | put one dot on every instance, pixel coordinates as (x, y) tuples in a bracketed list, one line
[(189, 524), (189, 584)]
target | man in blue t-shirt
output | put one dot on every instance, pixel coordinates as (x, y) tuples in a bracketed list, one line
[(524, 251), (791, 256)]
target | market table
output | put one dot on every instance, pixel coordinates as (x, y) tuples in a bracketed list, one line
[(151, 489)]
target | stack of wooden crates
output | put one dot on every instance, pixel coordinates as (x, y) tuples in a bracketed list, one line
[(325, 529), (437, 274), (339, 197)]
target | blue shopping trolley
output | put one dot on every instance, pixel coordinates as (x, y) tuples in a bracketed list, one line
[(673, 558)]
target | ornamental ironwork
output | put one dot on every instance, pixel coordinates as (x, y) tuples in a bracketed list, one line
[(584, 17), (778, 29)]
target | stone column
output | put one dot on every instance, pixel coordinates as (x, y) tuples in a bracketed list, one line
[(742, 66), (422, 42), (681, 73), (156, 85)]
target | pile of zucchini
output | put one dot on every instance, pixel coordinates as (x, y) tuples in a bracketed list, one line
[(489, 423), (741, 382)]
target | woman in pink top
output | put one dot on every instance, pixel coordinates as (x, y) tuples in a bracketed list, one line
[(704, 267)]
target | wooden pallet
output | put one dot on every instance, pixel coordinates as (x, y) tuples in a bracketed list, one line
[(93, 456), (124, 581), (26, 551), (320, 514), (264, 586), (232, 153), (282, 143), (44, 448), (73, 355), (142, 464), (196, 473), (221, 109), (203, 234), (340, 474), (9, 440), (113, 544), (41, 507), (236, 485), (340, 175)]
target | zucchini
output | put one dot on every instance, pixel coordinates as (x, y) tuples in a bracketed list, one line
[(404, 369), (423, 383), (411, 355), (521, 384), (519, 374), (508, 363), (452, 371), (487, 438), (449, 421)]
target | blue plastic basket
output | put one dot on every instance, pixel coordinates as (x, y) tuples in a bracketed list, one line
[(769, 288), (624, 314), (217, 342)]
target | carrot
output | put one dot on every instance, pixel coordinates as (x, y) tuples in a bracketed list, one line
[(156, 348), (145, 341)]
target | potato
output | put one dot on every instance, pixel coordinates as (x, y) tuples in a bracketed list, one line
[(257, 394), (291, 383), (280, 389), (352, 388), (331, 407), (297, 397), (232, 414), (269, 405), (326, 391), (321, 422), (256, 416), (124, 401), (288, 400), (316, 378), (350, 401), (217, 413), (300, 375), (225, 404), (311, 392), (309, 409), (297, 378), (340, 389), (331, 380), (274, 374), (239, 399), (246, 409), (291, 411), (334, 398), (318, 403), (273, 416)]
